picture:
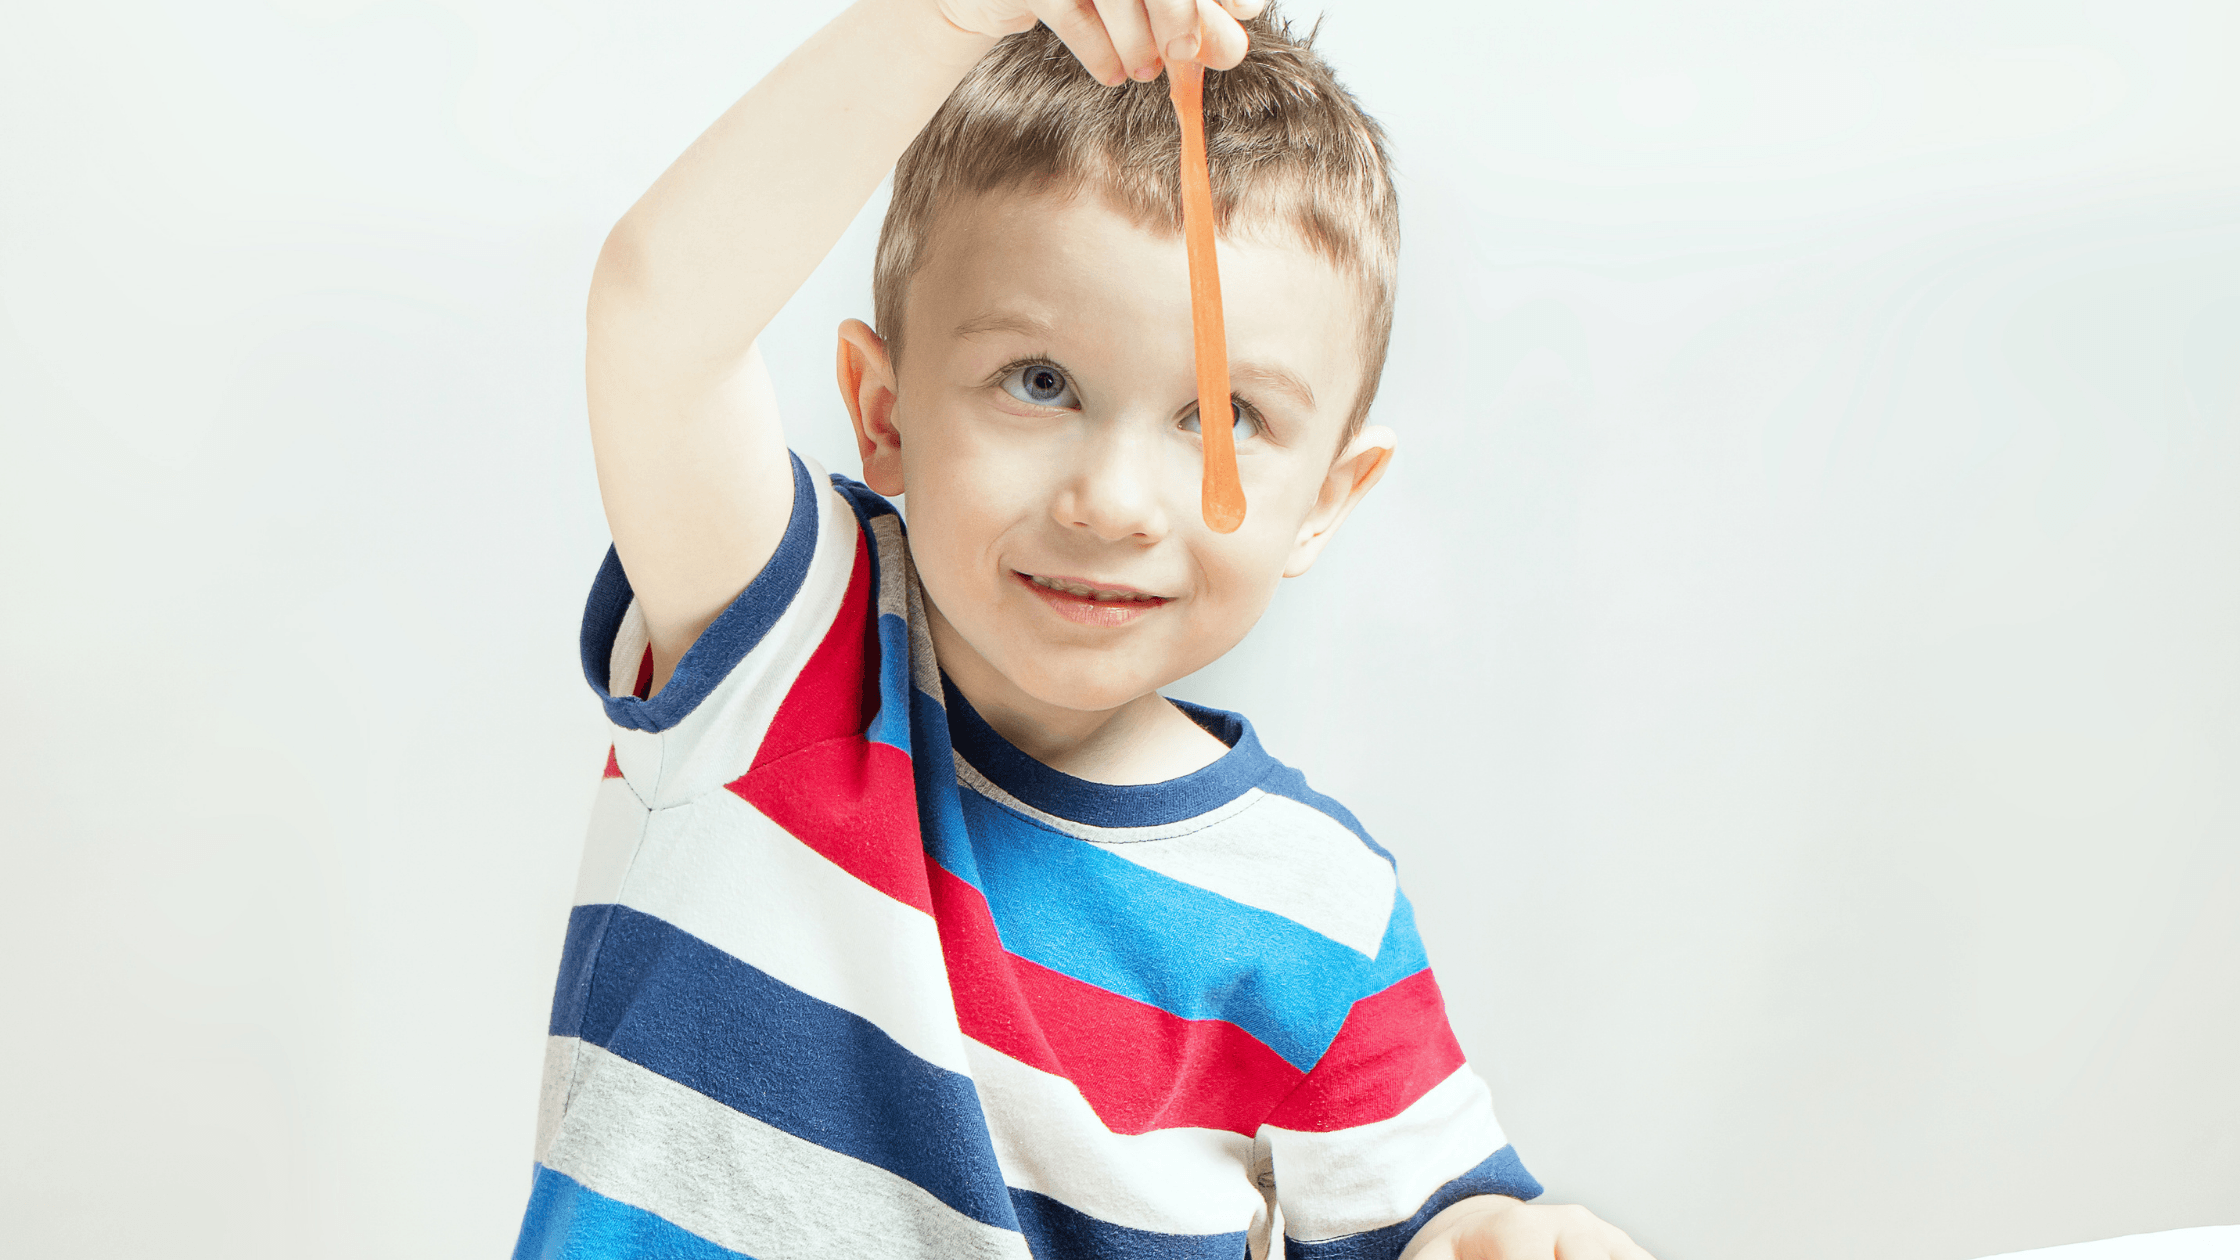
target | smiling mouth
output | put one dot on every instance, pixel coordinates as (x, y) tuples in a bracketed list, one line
[(1088, 603), (1101, 594)]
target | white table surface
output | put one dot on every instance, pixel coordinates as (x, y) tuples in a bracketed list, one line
[(2210, 1242)]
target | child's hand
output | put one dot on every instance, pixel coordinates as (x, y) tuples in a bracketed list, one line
[(1119, 39), (1492, 1227)]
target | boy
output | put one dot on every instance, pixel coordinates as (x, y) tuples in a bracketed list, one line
[(914, 921)]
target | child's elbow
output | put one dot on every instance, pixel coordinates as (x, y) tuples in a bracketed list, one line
[(619, 278)]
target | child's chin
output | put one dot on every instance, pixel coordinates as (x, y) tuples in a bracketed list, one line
[(1088, 685)]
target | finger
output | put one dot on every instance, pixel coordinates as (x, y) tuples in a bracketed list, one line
[(1243, 10), (1225, 42), (1174, 28), (1077, 26), (1130, 32)]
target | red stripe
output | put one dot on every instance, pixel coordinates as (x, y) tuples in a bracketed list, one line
[(1139, 1067), (817, 776), (851, 800), (1394, 1046), (836, 692), (614, 767), (990, 1006), (644, 686)]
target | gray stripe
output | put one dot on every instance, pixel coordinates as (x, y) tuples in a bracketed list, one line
[(890, 547), (552, 1093), (636, 1136)]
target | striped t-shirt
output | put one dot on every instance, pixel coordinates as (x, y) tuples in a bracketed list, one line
[(850, 976)]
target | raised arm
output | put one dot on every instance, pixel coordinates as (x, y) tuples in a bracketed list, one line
[(691, 457), (692, 461)]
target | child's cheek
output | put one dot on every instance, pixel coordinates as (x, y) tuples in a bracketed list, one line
[(1243, 569)]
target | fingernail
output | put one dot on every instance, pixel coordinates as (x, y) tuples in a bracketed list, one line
[(1183, 47), (1146, 73)]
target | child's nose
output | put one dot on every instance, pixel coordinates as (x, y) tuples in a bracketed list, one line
[(1115, 493)]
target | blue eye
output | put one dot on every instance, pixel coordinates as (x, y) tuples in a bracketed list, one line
[(1040, 384), (1245, 426)]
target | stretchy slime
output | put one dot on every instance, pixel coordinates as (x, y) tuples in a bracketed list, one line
[(1220, 497)]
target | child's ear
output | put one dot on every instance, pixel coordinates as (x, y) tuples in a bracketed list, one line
[(1356, 469), (867, 386)]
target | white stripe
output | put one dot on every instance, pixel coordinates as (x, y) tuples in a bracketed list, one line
[(636, 1136), (618, 820), (716, 742), (1265, 851), (1374, 1175), (1048, 1140), (637, 753), (628, 652), (1287, 858), (721, 870)]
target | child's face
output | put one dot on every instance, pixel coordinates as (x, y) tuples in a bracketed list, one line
[(1042, 420)]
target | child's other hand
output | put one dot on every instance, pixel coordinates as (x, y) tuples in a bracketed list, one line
[(1119, 39), (1492, 1227)]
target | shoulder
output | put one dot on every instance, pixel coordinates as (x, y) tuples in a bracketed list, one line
[(1332, 876), (810, 568), (763, 674), (1285, 848)]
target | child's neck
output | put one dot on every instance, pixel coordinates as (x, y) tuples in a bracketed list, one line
[(1146, 740)]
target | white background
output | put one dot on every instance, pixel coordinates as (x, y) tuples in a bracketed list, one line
[(1796, 655)]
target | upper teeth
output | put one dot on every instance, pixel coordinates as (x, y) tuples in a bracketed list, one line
[(1087, 592)]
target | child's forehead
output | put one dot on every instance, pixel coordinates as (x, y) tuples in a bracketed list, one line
[(1017, 258), (1085, 205)]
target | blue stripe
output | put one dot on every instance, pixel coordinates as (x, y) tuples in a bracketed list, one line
[(720, 647), (1400, 954), (940, 814), (892, 725), (1057, 1232), (586, 925), (1501, 1173), (673, 1004), (568, 1221), (1107, 921)]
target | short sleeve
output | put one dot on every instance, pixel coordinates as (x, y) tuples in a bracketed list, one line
[(1390, 1126), (705, 725)]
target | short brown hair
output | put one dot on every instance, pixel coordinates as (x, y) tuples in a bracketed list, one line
[(1288, 145)]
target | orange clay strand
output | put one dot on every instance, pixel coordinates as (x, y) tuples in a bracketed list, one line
[(1220, 497)]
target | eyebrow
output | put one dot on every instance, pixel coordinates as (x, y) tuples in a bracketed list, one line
[(1273, 377), (998, 321)]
